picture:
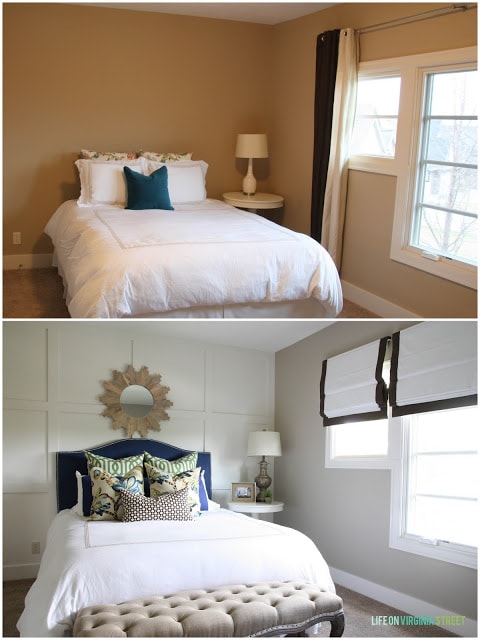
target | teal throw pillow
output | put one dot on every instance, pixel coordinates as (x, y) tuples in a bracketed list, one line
[(147, 192)]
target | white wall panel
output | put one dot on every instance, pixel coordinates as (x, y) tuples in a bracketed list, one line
[(25, 362), (181, 365), (240, 382), (25, 443), (86, 357)]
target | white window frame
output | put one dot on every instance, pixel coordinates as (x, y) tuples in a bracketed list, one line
[(395, 460), (403, 166), (398, 538), (364, 462)]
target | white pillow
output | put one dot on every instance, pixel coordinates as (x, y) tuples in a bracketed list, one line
[(186, 180), (104, 182)]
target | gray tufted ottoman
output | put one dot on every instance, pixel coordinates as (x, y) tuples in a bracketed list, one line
[(255, 610)]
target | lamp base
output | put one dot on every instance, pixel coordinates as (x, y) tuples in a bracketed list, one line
[(249, 185), (263, 480)]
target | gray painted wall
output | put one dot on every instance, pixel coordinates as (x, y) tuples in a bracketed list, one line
[(347, 512)]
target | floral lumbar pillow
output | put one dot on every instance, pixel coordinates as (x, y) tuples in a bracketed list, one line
[(170, 506), (106, 492)]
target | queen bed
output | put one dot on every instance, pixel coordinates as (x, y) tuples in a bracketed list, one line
[(178, 253), (105, 561)]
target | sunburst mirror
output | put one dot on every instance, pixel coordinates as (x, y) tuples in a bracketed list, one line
[(136, 401)]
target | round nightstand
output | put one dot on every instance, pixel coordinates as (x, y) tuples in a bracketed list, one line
[(256, 508), (257, 201)]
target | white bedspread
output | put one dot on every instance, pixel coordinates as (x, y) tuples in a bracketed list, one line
[(88, 563), (121, 263)]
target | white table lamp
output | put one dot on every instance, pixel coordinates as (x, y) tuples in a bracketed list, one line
[(263, 443), (251, 145)]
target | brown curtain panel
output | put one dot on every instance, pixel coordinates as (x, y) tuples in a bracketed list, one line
[(325, 75)]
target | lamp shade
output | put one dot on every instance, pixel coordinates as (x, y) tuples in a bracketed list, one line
[(264, 443), (251, 145)]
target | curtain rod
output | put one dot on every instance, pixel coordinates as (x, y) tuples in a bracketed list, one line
[(417, 17)]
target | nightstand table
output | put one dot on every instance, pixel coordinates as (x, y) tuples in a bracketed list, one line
[(256, 508), (252, 203)]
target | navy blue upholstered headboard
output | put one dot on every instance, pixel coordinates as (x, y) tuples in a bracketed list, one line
[(68, 462)]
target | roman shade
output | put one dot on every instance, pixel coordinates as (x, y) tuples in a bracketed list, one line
[(434, 366), (352, 388)]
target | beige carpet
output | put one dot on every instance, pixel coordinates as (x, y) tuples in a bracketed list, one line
[(358, 616), (38, 293)]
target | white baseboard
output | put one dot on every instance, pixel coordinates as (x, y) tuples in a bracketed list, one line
[(404, 602), (375, 304), (20, 571), (28, 261)]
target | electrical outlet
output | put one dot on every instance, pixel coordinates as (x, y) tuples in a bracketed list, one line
[(35, 548), (17, 237)]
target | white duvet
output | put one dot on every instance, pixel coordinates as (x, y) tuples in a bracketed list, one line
[(121, 263), (92, 562)]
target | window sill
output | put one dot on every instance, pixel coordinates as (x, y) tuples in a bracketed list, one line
[(453, 270), (430, 549)]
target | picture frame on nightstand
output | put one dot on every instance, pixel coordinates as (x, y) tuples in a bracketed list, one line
[(245, 492)]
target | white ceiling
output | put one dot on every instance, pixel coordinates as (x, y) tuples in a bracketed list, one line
[(259, 12), (264, 335)]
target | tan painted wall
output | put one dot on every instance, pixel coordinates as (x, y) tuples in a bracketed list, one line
[(371, 198), (87, 77)]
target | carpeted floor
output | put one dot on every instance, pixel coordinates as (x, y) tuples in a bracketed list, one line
[(38, 293), (358, 616)]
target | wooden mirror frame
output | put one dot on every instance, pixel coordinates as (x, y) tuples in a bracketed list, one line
[(121, 420)]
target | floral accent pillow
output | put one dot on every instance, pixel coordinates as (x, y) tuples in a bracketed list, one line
[(165, 157), (116, 467), (170, 506), (106, 492), (173, 466), (86, 154), (162, 482)]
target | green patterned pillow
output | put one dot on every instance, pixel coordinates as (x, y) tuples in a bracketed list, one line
[(173, 466), (117, 467), (106, 487), (162, 482)]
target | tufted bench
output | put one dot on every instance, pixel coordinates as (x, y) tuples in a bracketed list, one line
[(255, 610)]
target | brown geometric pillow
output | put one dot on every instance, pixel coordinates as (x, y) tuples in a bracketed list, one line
[(170, 506)]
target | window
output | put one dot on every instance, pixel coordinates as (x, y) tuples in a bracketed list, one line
[(444, 219), (375, 128), (435, 486), (429, 142)]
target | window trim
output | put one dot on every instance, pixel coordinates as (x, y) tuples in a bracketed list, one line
[(403, 166)]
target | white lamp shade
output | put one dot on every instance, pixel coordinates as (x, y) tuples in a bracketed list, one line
[(264, 443), (252, 145)]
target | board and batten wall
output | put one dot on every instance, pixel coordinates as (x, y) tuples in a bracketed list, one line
[(346, 512), (52, 380)]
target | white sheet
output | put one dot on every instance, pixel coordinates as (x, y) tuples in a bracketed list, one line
[(88, 563), (120, 263)]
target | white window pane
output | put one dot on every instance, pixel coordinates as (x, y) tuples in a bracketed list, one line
[(455, 93), (360, 438), (450, 520), (452, 140), (448, 234), (375, 128), (434, 432), (448, 475), (451, 187)]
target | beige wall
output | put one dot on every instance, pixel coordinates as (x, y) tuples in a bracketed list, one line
[(371, 198), (78, 76), (87, 77)]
